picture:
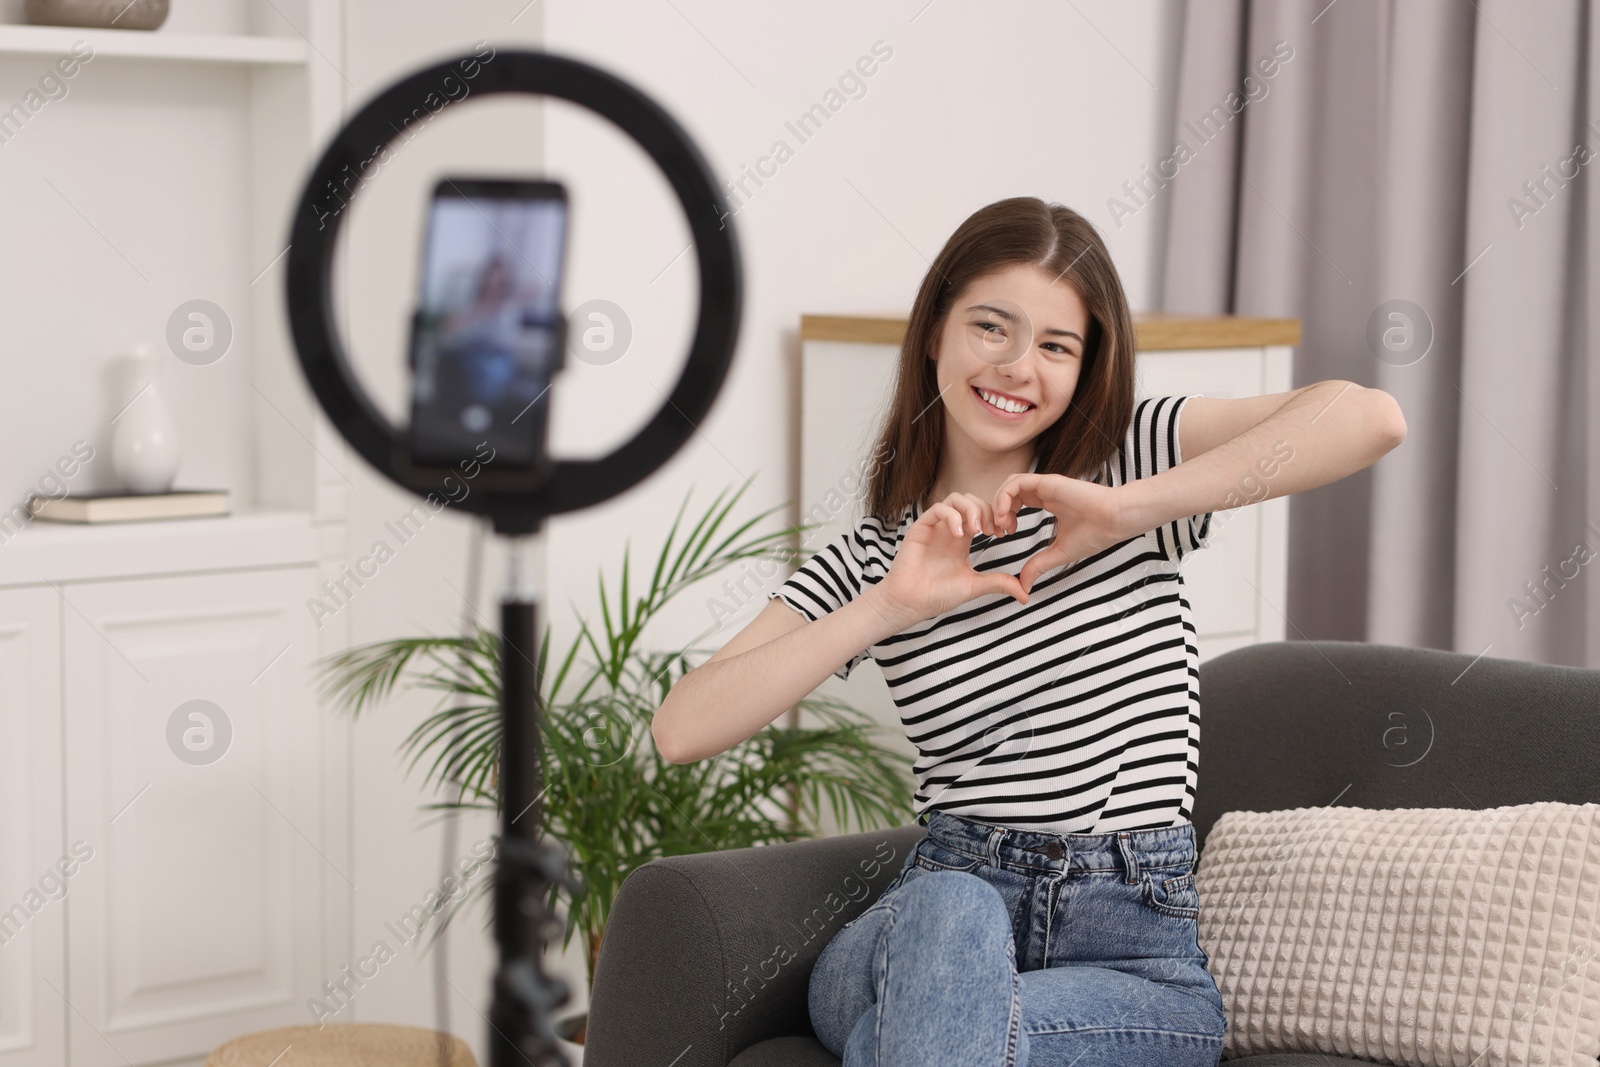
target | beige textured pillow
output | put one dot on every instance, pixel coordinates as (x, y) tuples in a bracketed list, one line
[(1436, 937)]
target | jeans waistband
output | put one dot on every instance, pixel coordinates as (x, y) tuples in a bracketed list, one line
[(1125, 850)]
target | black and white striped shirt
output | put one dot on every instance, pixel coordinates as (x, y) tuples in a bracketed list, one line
[(1078, 712)]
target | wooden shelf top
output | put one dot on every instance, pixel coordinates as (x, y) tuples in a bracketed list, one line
[(153, 45), (1155, 330)]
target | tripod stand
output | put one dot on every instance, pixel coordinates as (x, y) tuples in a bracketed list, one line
[(517, 500)]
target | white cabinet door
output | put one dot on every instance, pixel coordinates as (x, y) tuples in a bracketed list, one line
[(34, 875), (193, 760)]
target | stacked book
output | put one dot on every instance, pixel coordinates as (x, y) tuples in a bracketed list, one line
[(121, 505)]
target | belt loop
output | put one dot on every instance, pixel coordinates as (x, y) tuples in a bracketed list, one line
[(996, 835), (1129, 860)]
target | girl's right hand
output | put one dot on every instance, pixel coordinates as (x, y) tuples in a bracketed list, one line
[(931, 573)]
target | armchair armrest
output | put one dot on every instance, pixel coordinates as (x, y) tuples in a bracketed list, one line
[(706, 955)]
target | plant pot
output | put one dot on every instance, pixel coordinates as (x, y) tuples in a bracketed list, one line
[(102, 14)]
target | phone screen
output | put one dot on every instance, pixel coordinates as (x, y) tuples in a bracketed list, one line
[(485, 342)]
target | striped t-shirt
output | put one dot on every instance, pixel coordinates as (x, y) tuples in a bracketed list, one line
[(1078, 712)]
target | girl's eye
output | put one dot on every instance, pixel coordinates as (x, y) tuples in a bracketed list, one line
[(1052, 346)]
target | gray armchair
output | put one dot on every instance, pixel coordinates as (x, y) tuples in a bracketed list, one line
[(706, 959)]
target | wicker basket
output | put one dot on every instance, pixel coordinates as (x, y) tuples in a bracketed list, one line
[(343, 1045)]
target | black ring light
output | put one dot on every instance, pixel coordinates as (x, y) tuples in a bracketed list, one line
[(518, 502)]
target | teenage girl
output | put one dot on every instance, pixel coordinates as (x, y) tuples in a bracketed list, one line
[(1016, 580)]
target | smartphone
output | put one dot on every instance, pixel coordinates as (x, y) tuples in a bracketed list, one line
[(488, 336)]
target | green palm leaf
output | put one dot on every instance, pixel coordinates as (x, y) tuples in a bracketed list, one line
[(610, 800)]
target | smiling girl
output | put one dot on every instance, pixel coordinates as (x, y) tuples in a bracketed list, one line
[(1016, 579)]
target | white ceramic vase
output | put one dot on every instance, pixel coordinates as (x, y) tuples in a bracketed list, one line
[(144, 443)]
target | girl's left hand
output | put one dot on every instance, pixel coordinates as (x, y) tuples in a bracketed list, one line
[(1088, 518)]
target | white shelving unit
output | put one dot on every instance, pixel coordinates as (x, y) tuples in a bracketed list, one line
[(214, 902), (133, 44), (58, 552)]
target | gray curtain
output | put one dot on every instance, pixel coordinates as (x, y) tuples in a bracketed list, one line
[(1444, 155)]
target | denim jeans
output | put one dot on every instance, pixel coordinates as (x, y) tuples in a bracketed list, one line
[(1005, 946)]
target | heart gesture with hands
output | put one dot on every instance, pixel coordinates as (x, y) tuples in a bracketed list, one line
[(1088, 518), (932, 572)]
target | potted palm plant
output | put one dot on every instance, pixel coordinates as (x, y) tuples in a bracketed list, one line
[(610, 800)]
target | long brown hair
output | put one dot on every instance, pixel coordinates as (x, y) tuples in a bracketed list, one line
[(1021, 229)]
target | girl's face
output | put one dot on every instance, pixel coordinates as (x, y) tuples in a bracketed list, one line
[(1033, 326)]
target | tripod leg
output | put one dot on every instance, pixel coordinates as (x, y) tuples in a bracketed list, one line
[(525, 998)]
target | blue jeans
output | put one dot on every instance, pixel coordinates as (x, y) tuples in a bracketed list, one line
[(1004, 946)]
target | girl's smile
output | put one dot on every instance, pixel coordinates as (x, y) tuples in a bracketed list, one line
[(1015, 410)]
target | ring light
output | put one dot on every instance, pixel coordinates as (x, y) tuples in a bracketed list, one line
[(518, 502)]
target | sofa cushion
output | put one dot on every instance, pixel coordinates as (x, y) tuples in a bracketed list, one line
[(786, 1052), (1432, 937)]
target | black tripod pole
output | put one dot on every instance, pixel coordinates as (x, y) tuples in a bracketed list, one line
[(525, 997)]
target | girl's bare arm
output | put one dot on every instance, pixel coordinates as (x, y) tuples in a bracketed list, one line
[(1328, 429), (763, 670), (779, 658)]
